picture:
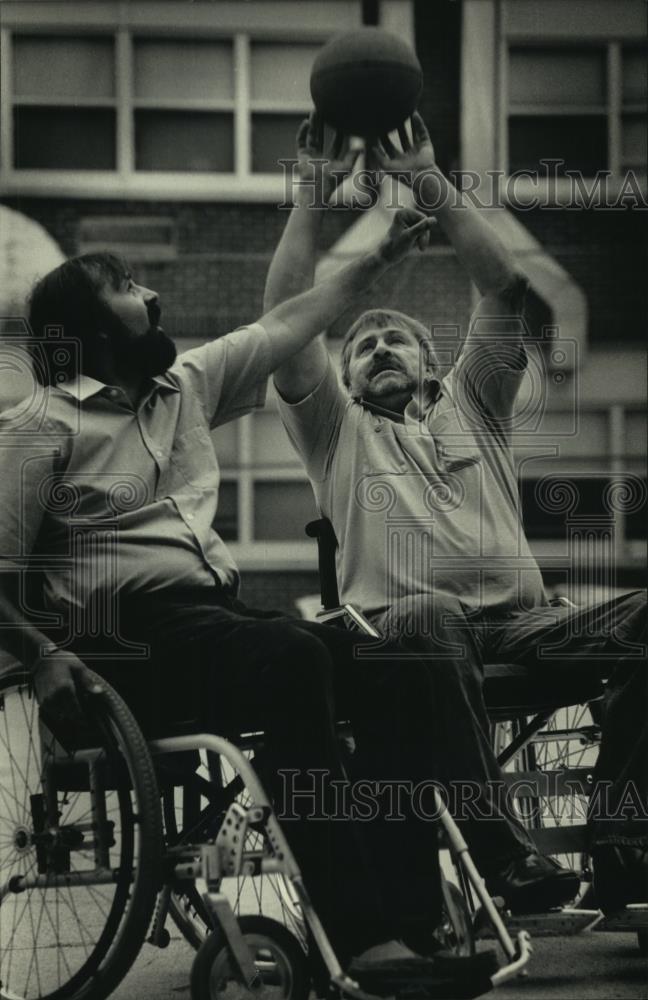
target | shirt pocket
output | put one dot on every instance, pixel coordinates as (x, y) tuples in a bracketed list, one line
[(193, 456), (457, 458)]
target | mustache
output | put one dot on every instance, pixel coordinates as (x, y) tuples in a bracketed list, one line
[(383, 364)]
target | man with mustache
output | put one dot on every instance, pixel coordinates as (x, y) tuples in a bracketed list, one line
[(424, 453), (123, 442)]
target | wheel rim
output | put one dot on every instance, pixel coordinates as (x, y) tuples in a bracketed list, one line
[(562, 754), (55, 938), (272, 963), (455, 932), (553, 755)]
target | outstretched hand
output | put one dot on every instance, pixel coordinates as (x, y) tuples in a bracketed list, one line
[(320, 172), (408, 229), (414, 158)]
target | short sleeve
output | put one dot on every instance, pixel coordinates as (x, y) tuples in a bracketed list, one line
[(313, 424), (229, 375), (492, 364)]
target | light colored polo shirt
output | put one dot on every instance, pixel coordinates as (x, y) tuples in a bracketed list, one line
[(107, 498), (429, 503)]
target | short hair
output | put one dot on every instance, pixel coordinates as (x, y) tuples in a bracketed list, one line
[(383, 318), (69, 297)]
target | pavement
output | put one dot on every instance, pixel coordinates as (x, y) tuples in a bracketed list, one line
[(590, 966)]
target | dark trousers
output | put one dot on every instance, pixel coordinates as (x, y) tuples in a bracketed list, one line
[(373, 877), (607, 639)]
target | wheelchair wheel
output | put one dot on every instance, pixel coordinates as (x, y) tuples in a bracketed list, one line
[(250, 896), (570, 753), (80, 839), (455, 932), (280, 960), (565, 753)]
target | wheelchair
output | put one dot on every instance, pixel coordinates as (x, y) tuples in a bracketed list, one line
[(545, 736), (105, 839)]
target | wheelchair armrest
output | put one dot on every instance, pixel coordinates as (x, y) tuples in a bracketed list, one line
[(561, 602), (351, 612)]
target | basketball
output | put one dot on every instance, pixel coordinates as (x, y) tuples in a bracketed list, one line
[(366, 82)]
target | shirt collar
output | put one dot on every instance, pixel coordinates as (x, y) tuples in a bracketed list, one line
[(83, 386)]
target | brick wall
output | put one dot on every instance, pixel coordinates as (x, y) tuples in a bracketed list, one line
[(216, 283), (606, 252)]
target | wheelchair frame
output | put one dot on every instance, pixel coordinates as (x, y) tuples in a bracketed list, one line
[(207, 861), (530, 727)]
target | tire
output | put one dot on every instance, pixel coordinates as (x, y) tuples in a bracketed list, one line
[(277, 954), (556, 812), (77, 941)]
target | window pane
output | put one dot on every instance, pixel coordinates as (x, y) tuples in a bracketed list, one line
[(636, 521), (225, 440), (181, 140), (633, 144), (635, 434), (557, 76), (64, 138), (591, 438), (64, 67), (273, 138), (635, 74), (580, 141), (226, 520), (282, 72), (270, 444), (281, 510), (182, 69), (542, 522)]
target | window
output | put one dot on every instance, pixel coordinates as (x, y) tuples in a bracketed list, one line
[(141, 105), (265, 498), (584, 105), (540, 521), (281, 510), (183, 99), (64, 111), (226, 522)]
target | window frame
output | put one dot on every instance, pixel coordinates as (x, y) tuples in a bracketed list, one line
[(125, 22), (613, 108)]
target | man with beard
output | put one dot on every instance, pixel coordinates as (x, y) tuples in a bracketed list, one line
[(121, 451), (428, 452)]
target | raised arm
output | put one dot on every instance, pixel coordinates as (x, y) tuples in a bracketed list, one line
[(476, 243), (292, 269), (293, 324)]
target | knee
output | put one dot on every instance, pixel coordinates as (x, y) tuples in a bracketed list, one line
[(635, 617), (428, 620), (296, 659)]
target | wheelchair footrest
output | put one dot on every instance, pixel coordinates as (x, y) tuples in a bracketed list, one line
[(555, 923), (632, 918)]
